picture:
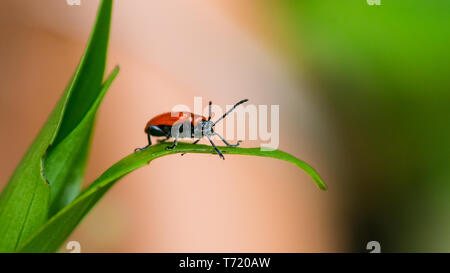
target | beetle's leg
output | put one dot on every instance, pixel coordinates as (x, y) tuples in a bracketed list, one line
[(195, 142), (215, 148), (226, 142), (140, 149), (175, 142), (176, 131), (148, 145), (163, 140), (149, 140)]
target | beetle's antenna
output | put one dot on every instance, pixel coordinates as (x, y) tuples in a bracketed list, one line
[(209, 117), (229, 111)]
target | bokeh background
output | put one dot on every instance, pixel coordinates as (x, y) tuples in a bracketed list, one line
[(364, 94)]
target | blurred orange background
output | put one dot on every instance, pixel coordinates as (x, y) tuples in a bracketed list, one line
[(169, 52)]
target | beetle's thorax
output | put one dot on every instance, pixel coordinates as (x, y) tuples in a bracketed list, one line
[(204, 128)]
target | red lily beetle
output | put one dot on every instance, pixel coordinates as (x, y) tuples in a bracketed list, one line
[(171, 124)]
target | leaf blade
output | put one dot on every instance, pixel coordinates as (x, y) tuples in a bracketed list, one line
[(88, 77), (25, 201), (58, 228), (66, 179), (18, 202)]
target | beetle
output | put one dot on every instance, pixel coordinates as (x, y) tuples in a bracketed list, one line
[(172, 124)]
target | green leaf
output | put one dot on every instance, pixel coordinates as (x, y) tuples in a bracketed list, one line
[(65, 162), (50, 237), (34, 185)]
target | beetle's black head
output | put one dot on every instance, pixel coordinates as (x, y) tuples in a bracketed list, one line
[(206, 127)]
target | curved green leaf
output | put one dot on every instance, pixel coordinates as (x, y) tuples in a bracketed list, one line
[(65, 161), (50, 237), (37, 182)]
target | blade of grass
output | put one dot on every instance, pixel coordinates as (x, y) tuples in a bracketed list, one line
[(88, 77), (25, 201), (50, 237), (65, 178)]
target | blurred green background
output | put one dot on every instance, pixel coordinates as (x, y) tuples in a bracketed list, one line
[(382, 74), (363, 92)]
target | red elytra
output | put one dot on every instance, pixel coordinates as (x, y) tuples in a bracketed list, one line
[(170, 118)]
